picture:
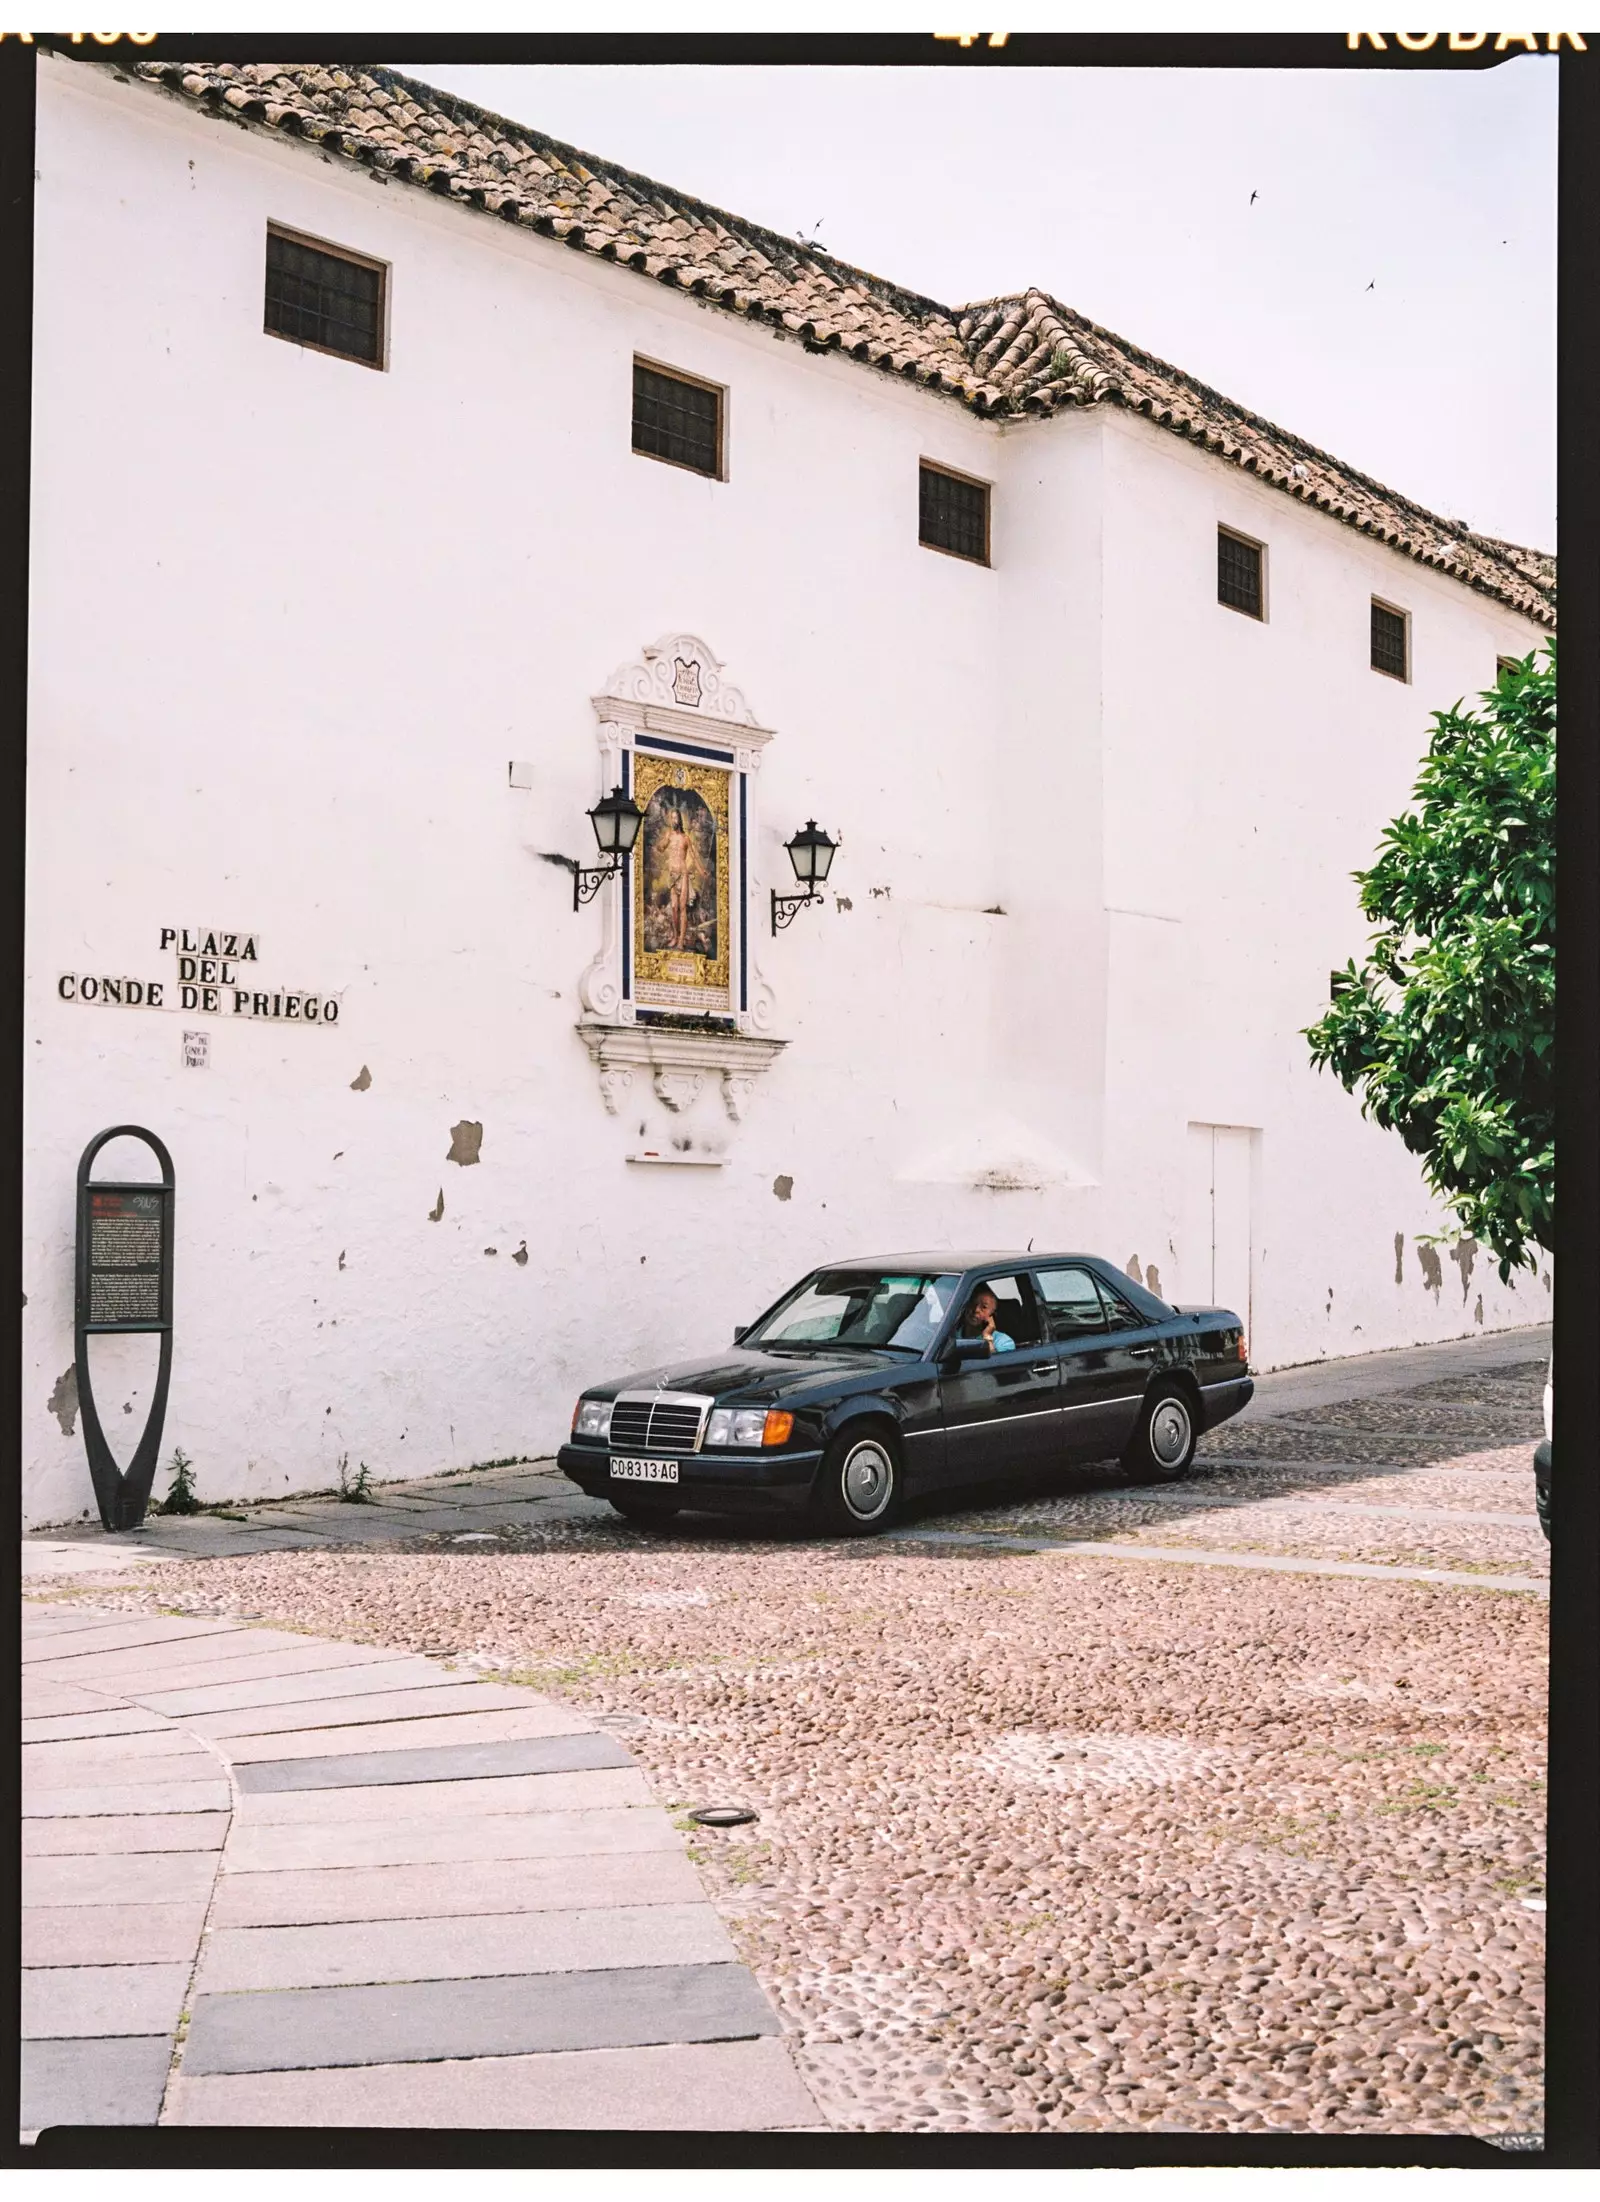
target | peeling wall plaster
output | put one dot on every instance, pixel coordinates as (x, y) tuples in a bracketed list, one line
[(466, 1143), (63, 1401)]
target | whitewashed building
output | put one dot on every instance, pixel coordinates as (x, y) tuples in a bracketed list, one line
[(404, 482)]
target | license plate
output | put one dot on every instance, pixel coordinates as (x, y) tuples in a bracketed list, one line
[(644, 1471)]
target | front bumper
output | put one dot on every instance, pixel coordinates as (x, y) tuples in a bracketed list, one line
[(778, 1482), (1219, 1401), (1541, 1485)]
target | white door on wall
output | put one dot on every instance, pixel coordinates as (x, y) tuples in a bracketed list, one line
[(1217, 1242)]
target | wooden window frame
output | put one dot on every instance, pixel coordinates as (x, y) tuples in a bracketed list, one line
[(1251, 542), (973, 481), (719, 391), (381, 268), (1396, 611)]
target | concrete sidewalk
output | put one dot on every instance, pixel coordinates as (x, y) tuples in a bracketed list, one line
[(275, 1881)]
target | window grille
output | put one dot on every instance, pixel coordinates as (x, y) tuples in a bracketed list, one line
[(323, 299), (1239, 574), (1389, 642), (953, 515), (677, 420)]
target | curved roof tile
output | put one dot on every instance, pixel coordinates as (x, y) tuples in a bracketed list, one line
[(1026, 356)]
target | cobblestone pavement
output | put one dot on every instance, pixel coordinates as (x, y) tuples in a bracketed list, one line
[(1055, 1832)]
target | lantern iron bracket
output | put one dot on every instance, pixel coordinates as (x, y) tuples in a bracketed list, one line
[(784, 907)]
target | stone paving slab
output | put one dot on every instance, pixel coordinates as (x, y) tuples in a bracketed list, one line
[(118, 2082), (154, 1877), (112, 1933), (53, 1807), (60, 1701), (470, 1946), (687, 2087), (487, 1865), (94, 2001), (506, 2016), (450, 1842), (475, 1712), (339, 1678), (441, 1763), (490, 1514), (42, 1755), (330, 1894), (52, 1656), (140, 1831), (444, 1803), (149, 1677), (528, 1492)]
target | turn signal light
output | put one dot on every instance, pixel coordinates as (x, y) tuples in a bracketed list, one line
[(775, 1430)]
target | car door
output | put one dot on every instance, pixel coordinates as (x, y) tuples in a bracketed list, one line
[(1090, 1382), (1135, 1351), (1000, 1412)]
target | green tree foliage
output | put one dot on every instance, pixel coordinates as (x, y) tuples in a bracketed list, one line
[(1447, 1032)]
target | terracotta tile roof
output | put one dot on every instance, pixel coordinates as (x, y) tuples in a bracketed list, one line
[(1020, 357)]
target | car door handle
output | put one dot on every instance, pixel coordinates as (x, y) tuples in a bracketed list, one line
[(1145, 1353), (1041, 1368)]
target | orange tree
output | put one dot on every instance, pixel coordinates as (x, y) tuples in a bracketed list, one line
[(1447, 1030)]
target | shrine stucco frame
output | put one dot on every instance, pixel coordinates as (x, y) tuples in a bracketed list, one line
[(674, 702)]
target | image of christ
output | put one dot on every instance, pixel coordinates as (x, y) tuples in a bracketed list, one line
[(680, 874)]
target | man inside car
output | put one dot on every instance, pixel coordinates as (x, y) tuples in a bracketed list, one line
[(979, 1322)]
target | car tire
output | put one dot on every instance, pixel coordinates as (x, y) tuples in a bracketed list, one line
[(1162, 1446), (643, 1511), (860, 1484)]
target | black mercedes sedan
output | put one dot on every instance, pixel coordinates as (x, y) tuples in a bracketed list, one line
[(876, 1381)]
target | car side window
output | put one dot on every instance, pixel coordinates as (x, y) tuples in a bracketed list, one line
[(1120, 1313), (1014, 1313), (1070, 1302)]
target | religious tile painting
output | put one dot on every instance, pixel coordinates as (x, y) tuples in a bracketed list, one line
[(681, 886)]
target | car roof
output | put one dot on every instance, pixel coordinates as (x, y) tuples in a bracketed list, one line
[(947, 1259)]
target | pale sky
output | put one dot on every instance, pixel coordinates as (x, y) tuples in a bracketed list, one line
[(1127, 195)]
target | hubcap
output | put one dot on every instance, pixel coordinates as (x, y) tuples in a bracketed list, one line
[(868, 1480), (1169, 1431)]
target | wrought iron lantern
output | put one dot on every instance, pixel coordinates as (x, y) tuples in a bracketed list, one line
[(811, 854), (616, 820)]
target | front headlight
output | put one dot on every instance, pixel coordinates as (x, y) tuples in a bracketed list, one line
[(592, 1418), (736, 1426), (743, 1426)]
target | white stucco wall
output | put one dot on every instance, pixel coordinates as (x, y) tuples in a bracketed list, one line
[(291, 618), (1250, 767)]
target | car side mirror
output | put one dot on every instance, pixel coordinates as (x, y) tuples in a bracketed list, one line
[(739, 1330), (961, 1350)]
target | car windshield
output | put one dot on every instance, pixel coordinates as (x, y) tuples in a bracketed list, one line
[(859, 1307)]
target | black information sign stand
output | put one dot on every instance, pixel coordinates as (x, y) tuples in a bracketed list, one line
[(124, 1283)]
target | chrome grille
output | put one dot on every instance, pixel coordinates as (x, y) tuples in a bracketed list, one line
[(657, 1422)]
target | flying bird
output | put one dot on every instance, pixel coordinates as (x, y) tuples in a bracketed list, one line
[(1254, 196), (1372, 286)]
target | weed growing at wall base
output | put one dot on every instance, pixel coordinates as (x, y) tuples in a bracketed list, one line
[(180, 1498)]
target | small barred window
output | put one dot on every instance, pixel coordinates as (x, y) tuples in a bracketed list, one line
[(327, 300), (1389, 640), (953, 514), (677, 420), (1239, 574)]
